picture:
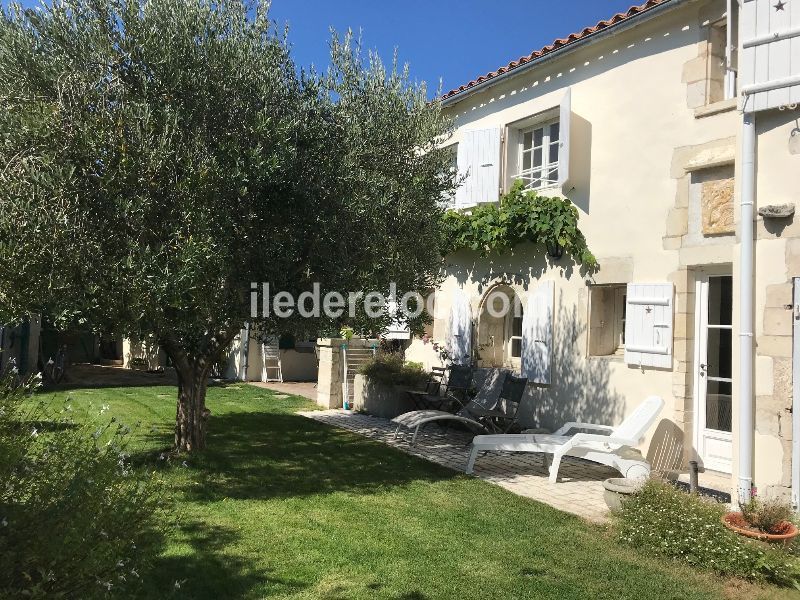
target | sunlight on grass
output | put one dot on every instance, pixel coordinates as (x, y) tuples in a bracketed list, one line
[(280, 506)]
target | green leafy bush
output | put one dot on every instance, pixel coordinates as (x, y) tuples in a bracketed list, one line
[(391, 369), (76, 520), (662, 520), (519, 217)]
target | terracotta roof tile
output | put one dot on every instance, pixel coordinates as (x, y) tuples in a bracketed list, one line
[(559, 43)]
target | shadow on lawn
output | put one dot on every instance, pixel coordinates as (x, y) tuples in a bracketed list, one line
[(208, 570), (263, 455), (268, 455)]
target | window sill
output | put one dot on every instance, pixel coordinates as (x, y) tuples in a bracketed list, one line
[(716, 108), (620, 358)]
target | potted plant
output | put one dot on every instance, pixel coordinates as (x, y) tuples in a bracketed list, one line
[(617, 489), (382, 383), (766, 520)]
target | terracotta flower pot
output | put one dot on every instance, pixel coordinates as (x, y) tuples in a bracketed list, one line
[(729, 520)]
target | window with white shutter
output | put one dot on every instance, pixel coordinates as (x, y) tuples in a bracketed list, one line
[(537, 334), (479, 165), (607, 319), (770, 61), (648, 325), (539, 149)]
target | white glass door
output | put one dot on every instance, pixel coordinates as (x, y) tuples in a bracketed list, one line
[(714, 372)]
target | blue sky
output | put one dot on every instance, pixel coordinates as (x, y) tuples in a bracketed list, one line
[(451, 40)]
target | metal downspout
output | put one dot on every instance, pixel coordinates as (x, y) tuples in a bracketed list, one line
[(746, 409), (796, 392)]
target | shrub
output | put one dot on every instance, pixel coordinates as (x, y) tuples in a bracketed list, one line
[(766, 515), (76, 521), (662, 520), (520, 216), (391, 369)]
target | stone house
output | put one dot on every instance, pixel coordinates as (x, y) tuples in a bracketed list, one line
[(648, 123)]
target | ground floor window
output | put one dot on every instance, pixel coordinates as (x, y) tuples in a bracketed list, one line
[(515, 335), (607, 319), (500, 329)]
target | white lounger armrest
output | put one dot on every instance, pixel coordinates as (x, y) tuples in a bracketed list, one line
[(580, 439), (578, 425)]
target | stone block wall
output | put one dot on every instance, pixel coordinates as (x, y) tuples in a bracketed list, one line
[(329, 376)]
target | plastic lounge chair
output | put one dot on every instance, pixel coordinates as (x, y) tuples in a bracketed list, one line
[(615, 449), (496, 401), (504, 415), (440, 392)]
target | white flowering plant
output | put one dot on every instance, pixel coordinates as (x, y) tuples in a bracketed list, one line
[(77, 520), (665, 521)]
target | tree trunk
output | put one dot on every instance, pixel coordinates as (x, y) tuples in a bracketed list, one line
[(191, 419)]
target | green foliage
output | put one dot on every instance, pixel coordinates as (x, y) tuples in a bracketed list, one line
[(76, 520), (519, 217), (276, 491), (662, 520), (765, 515), (391, 369), (159, 156)]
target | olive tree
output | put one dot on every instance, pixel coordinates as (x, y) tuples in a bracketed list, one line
[(156, 157)]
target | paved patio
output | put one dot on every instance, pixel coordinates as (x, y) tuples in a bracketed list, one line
[(307, 389), (579, 490)]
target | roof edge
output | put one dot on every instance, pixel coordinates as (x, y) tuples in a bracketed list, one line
[(646, 14)]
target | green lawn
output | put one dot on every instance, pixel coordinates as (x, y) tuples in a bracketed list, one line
[(284, 507)]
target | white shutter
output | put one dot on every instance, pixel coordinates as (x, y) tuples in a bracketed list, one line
[(537, 334), (461, 329), (770, 60), (398, 329), (565, 126), (648, 325), (512, 157), (479, 164)]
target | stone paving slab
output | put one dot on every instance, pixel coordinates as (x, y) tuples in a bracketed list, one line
[(579, 490), (307, 389)]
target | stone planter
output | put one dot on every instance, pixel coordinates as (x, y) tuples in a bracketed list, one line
[(380, 400), (730, 518), (617, 489)]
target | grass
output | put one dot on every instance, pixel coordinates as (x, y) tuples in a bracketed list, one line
[(280, 506)]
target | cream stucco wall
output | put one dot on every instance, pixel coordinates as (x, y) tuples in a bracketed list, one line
[(640, 135), (295, 365), (142, 353)]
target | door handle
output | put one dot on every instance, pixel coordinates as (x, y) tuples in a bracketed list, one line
[(703, 369)]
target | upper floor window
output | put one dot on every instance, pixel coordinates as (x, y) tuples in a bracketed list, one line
[(538, 155), (722, 65)]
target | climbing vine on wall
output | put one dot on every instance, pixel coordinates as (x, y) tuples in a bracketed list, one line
[(520, 216)]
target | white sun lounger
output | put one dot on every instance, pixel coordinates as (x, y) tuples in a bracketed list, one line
[(615, 449)]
